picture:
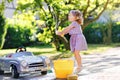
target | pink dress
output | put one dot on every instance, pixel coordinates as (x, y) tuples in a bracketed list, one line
[(77, 39)]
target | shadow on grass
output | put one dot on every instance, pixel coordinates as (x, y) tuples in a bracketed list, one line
[(95, 46), (43, 52), (62, 55), (41, 46)]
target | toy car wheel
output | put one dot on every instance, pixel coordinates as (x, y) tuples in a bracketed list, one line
[(15, 73), (1, 72), (44, 72)]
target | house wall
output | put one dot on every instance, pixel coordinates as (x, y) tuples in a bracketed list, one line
[(10, 8)]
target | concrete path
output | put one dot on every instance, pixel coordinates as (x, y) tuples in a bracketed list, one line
[(103, 66)]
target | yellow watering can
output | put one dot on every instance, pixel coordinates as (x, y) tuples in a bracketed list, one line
[(63, 68)]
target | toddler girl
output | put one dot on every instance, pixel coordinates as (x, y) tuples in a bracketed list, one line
[(77, 40)]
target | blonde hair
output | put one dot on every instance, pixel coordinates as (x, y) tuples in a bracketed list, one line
[(78, 15)]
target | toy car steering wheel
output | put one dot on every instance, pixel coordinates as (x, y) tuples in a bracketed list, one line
[(21, 49)]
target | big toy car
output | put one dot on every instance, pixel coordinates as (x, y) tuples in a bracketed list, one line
[(22, 62)]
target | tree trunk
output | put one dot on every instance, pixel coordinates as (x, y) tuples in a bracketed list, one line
[(57, 43), (3, 31), (107, 33), (65, 42)]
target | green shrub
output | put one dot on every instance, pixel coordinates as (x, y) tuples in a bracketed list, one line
[(18, 33), (116, 33), (93, 33)]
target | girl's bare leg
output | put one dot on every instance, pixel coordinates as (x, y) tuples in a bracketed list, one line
[(78, 59)]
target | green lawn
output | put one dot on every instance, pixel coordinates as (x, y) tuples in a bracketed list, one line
[(49, 51), (98, 48)]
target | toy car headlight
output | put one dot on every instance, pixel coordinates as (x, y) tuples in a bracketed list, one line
[(47, 60), (24, 63)]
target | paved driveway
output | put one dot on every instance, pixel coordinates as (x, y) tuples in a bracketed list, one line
[(103, 66)]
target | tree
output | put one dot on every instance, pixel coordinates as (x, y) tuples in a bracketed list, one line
[(2, 31), (3, 28), (54, 14), (106, 21), (2, 25)]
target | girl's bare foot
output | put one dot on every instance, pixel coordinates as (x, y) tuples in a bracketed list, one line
[(78, 70)]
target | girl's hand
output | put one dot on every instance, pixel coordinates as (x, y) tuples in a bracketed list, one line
[(59, 33)]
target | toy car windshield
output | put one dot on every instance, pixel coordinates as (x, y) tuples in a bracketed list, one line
[(22, 54)]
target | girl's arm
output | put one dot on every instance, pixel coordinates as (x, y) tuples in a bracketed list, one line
[(65, 31)]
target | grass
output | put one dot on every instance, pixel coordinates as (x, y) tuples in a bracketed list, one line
[(49, 51), (99, 48), (37, 50)]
